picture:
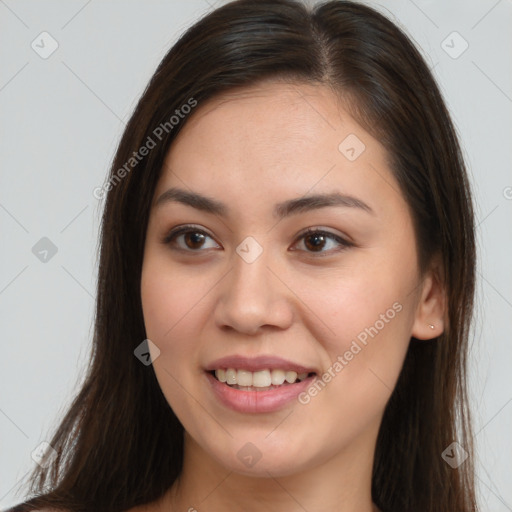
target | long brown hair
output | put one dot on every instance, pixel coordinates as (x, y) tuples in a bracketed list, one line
[(120, 444)]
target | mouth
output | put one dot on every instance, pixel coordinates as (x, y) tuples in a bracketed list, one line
[(257, 384), (257, 381), (262, 384)]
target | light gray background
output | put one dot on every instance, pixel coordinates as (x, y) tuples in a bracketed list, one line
[(61, 120)]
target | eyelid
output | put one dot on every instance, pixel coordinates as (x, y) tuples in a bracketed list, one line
[(185, 228), (343, 240), (319, 229)]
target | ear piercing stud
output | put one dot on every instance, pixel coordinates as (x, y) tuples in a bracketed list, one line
[(431, 326)]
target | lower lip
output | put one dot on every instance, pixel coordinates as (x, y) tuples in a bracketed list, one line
[(257, 401)]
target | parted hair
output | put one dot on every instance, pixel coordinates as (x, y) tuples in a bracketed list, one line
[(119, 443)]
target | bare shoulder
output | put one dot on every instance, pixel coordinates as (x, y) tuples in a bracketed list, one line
[(50, 509), (154, 506), (24, 507), (147, 507)]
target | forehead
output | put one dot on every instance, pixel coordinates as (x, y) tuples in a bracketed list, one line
[(272, 114), (275, 141)]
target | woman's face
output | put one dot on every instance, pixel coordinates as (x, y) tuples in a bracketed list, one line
[(247, 292)]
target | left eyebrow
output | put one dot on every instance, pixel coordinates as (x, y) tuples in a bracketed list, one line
[(307, 203), (281, 210)]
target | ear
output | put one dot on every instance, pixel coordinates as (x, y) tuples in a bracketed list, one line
[(431, 307)]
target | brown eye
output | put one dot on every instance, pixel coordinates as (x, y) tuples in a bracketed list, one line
[(316, 240), (189, 238), (193, 239)]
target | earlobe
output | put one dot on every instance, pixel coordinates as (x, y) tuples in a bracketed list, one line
[(429, 322)]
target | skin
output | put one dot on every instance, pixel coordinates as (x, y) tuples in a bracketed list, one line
[(250, 150)]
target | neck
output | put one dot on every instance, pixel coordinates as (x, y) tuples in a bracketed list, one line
[(341, 484)]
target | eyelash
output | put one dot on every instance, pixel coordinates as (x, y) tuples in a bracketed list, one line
[(174, 233)]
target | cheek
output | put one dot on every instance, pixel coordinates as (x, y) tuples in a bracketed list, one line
[(357, 304), (172, 307), (170, 297), (364, 324)]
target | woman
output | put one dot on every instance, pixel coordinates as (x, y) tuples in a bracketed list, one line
[(288, 238)]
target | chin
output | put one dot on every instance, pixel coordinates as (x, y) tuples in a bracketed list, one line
[(260, 457)]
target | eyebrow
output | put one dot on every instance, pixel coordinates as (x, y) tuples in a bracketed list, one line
[(281, 210)]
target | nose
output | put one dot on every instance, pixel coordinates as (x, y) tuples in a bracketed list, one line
[(252, 298)]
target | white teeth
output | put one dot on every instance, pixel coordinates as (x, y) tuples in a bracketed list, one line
[(244, 378), (221, 374), (231, 376), (260, 379), (277, 377), (291, 377)]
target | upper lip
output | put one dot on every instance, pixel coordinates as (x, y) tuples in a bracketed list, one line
[(261, 362)]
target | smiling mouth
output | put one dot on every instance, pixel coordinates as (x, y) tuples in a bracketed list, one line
[(262, 380)]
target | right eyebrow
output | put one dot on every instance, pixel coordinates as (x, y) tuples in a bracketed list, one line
[(193, 199)]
